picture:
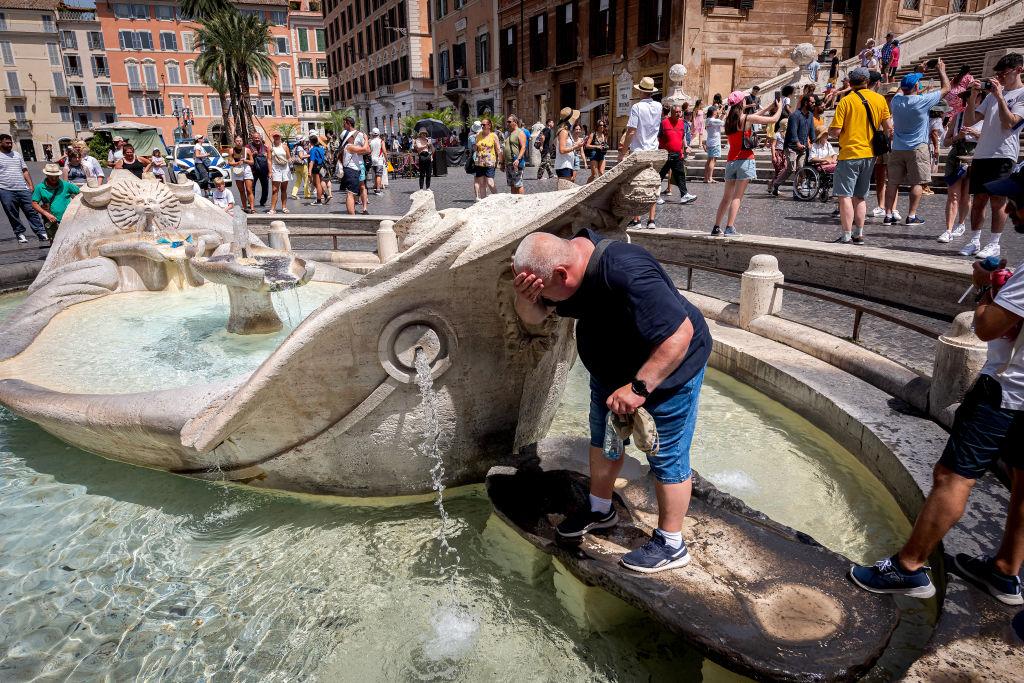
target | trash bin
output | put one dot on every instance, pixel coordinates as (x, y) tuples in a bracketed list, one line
[(440, 163)]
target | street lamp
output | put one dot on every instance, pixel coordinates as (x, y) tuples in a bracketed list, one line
[(828, 33)]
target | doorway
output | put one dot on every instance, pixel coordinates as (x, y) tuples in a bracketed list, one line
[(720, 77), (28, 150)]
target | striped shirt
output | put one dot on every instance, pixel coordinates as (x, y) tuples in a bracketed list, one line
[(11, 166)]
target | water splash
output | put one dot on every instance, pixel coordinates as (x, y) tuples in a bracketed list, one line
[(454, 627)]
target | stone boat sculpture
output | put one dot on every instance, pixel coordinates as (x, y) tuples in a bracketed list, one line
[(335, 408)]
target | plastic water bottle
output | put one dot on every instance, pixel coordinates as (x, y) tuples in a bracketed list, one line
[(613, 446)]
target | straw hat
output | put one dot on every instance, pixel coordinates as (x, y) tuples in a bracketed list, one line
[(646, 85), (52, 170), (569, 113)]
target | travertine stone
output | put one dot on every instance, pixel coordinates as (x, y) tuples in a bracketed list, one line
[(277, 236), (959, 357), (758, 296), (387, 241)]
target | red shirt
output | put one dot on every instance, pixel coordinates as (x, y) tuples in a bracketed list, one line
[(672, 135)]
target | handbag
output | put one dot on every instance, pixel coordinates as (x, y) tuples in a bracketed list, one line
[(749, 140), (470, 166), (879, 141)]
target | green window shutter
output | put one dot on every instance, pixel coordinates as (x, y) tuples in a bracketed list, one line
[(747, 4), (303, 40), (321, 41)]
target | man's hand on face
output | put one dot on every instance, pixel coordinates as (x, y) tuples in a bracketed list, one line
[(528, 286), (624, 401)]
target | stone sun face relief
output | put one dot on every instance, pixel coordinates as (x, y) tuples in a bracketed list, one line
[(138, 206)]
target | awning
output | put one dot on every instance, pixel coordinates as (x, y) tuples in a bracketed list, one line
[(593, 105)]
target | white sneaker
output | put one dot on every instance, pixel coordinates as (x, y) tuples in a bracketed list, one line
[(971, 248), (878, 212), (687, 198), (959, 230), (661, 200), (944, 238), (22, 239), (896, 215), (990, 249)]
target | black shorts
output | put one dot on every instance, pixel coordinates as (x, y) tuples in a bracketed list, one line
[(984, 432), (988, 170), (563, 172), (350, 181)]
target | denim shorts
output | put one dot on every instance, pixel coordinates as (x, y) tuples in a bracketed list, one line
[(485, 171), (714, 151), (984, 432), (853, 177), (741, 169), (675, 417)]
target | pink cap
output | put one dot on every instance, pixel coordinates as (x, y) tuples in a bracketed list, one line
[(735, 97)]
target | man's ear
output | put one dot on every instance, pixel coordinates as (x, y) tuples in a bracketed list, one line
[(560, 275)]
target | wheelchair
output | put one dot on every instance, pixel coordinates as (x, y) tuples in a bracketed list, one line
[(812, 181)]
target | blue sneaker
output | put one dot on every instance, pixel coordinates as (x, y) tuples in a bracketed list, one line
[(730, 231), (885, 576), (656, 556), (982, 571)]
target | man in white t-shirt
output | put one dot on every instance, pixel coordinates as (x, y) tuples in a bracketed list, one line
[(1002, 110), (988, 427), (642, 131), (353, 146), (378, 158)]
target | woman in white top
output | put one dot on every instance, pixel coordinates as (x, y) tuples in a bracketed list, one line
[(713, 123), (240, 160), (566, 147), (280, 173)]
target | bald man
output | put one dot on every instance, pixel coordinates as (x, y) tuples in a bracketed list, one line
[(644, 345)]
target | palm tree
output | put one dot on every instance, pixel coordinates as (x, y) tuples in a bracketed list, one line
[(251, 59), (287, 130), (201, 10), (334, 120), (214, 64)]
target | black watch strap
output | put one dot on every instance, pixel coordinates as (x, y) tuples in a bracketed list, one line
[(639, 387)]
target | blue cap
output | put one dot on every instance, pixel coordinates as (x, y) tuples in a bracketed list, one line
[(910, 81)]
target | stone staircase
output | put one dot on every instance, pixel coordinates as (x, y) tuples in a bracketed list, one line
[(972, 52)]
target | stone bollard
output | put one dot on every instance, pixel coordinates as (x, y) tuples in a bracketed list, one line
[(758, 296), (182, 179), (277, 236), (959, 357), (387, 241)]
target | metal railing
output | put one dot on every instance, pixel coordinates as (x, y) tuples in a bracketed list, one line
[(75, 71), (100, 73), (22, 124), (859, 310), (77, 101), (105, 101)]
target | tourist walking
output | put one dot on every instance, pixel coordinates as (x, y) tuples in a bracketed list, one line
[(858, 117), (597, 147), (653, 363), (988, 428), (487, 148), (513, 154), (713, 142), (378, 160), (799, 138), (91, 163), (579, 163), (566, 147), (240, 161), (51, 198), (998, 148), (16, 188), (910, 161), (779, 151), (423, 148), (885, 56), (869, 56), (671, 138), (200, 161), (280, 173), (642, 130), (880, 175), (74, 171), (260, 165), (300, 170), (740, 167), (547, 150), (698, 123), (833, 67), (961, 141), (317, 162), (352, 146)]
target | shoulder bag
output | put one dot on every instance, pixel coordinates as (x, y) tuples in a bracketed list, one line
[(749, 139), (879, 141)]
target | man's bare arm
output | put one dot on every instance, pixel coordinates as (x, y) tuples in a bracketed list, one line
[(529, 308), (666, 356), (992, 321)]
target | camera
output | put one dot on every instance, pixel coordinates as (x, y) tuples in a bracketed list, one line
[(932, 63), (987, 86)]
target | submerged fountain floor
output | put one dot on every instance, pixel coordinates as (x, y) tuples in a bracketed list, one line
[(115, 570), (144, 341)]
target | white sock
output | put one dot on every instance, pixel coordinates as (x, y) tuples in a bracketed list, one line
[(600, 504), (995, 238), (976, 236), (673, 540)]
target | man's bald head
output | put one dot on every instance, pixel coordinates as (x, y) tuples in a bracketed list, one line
[(540, 253)]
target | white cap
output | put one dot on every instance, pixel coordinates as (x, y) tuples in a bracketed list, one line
[(375, 131)]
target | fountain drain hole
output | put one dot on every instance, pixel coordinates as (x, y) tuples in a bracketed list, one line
[(413, 333)]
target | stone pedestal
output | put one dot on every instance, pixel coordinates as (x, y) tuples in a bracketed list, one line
[(387, 241), (278, 236), (959, 357), (252, 312), (758, 296)]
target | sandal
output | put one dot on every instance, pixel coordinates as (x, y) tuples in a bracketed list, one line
[(271, 212), (284, 210)]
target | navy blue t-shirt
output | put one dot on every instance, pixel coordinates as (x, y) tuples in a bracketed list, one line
[(626, 306)]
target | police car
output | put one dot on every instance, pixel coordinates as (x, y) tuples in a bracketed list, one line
[(184, 162)]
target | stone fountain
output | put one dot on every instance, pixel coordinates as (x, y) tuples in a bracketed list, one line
[(251, 274)]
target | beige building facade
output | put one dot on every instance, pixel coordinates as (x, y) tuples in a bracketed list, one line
[(36, 114), (465, 54), (86, 69), (310, 85)]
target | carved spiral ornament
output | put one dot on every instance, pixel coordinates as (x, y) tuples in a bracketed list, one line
[(133, 202)]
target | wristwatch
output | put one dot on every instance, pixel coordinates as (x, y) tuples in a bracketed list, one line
[(639, 387)]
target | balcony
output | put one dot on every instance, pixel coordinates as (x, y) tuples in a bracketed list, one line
[(287, 87), (385, 91), (3, 24), (79, 101), (96, 45), (21, 124), (101, 73), (15, 92), (135, 85), (105, 101), (266, 87), (456, 86), (61, 94), (73, 71)]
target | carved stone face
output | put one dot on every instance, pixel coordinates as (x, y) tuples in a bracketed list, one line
[(136, 205)]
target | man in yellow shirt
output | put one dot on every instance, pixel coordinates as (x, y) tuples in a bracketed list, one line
[(854, 130)]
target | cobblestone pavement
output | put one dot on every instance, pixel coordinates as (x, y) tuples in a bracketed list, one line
[(759, 215)]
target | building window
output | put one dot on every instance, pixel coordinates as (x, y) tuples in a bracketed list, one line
[(440, 8), (154, 106), (65, 113), (443, 66), (124, 10), (13, 84), (7, 52), (305, 68), (138, 105), (195, 103), (268, 108), (215, 109), (403, 64), (509, 50), (177, 104), (95, 40), (567, 95), (105, 95), (282, 45), (303, 40), (188, 41), (325, 101), (602, 27), (912, 5), (149, 72), (321, 68), (321, 40), (655, 17), (287, 107), (483, 53), (132, 70), (277, 17), (308, 101), (284, 78), (54, 53), (72, 66), (135, 40), (58, 84), (459, 59), (191, 77), (538, 42), (173, 73), (48, 25), (166, 12), (100, 67), (566, 31), (168, 41), (69, 40)]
